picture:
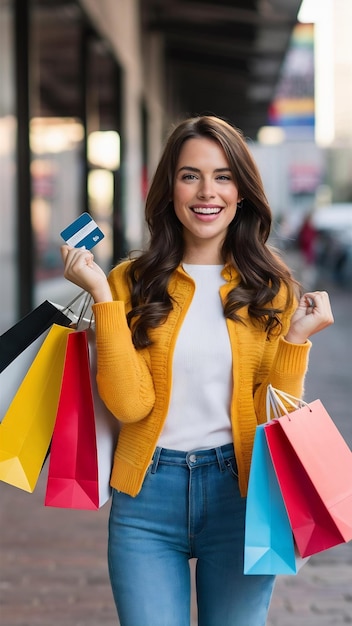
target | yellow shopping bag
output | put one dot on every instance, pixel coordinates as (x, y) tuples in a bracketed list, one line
[(27, 428)]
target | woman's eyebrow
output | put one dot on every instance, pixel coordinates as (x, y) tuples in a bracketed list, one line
[(189, 168)]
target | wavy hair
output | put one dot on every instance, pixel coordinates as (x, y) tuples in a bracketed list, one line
[(260, 269)]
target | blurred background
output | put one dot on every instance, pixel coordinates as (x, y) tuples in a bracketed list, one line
[(89, 91)]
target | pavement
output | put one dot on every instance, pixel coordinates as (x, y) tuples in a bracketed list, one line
[(53, 569)]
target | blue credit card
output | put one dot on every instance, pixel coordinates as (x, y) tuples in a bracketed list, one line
[(82, 233)]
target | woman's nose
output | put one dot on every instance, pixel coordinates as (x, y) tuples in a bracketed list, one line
[(206, 189)]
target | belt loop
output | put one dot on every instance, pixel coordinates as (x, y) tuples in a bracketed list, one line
[(220, 459), (156, 458)]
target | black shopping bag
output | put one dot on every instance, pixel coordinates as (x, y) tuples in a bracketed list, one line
[(17, 338)]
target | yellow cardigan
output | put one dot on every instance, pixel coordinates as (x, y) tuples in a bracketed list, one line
[(136, 384)]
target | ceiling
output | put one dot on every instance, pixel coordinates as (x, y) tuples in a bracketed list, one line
[(224, 56)]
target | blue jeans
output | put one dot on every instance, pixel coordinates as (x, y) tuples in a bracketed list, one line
[(189, 507)]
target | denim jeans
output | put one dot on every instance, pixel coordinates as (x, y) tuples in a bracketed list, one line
[(189, 507)]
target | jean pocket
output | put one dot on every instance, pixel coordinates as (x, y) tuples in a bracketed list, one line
[(231, 467)]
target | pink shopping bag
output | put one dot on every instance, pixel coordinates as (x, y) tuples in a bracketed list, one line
[(313, 464)]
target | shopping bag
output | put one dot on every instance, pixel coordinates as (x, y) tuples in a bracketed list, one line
[(84, 436), (12, 376), (313, 465), (107, 427), (15, 340), (269, 546), (20, 344), (26, 430)]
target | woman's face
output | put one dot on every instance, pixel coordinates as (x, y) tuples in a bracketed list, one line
[(205, 198)]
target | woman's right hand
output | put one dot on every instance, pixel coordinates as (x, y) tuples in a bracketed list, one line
[(81, 269)]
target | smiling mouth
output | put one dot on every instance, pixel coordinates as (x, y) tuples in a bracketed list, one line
[(206, 210)]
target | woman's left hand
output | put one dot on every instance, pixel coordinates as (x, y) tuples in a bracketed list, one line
[(312, 315)]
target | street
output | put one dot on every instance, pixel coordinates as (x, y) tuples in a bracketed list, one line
[(53, 562)]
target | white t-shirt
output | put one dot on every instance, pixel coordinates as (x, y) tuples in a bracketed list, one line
[(199, 412)]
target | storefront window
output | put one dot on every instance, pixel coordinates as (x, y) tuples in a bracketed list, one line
[(56, 129), (60, 145), (8, 129), (74, 139)]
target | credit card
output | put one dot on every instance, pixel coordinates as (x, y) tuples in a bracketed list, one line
[(82, 233)]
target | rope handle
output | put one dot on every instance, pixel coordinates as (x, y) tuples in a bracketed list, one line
[(84, 308), (76, 298), (85, 300), (275, 404)]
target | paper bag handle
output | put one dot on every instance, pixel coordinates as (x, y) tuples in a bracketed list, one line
[(275, 404)]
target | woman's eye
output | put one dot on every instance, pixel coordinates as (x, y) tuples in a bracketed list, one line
[(223, 177), (189, 177)]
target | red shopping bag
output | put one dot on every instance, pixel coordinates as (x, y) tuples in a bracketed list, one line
[(78, 476), (313, 465)]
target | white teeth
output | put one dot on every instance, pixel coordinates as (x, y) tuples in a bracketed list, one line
[(206, 210)]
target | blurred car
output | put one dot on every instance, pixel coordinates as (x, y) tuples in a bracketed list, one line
[(333, 216), (333, 224)]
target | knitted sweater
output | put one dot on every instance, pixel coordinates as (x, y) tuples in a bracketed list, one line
[(136, 384)]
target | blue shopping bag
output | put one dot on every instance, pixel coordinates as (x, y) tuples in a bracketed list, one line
[(269, 545)]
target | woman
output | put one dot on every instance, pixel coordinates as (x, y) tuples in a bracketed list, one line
[(189, 335)]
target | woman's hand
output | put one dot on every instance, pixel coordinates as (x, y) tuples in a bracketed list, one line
[(80, 269), (312, 315)]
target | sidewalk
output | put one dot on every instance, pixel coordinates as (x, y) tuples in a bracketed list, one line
[(320, 595), (54, 572)]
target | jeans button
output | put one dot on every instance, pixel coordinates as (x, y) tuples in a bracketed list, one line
[(192, 458)]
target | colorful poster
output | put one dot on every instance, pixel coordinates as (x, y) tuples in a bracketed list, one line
[(293, 104)]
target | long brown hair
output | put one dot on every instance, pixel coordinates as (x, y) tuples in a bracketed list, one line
[(261, 271)]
